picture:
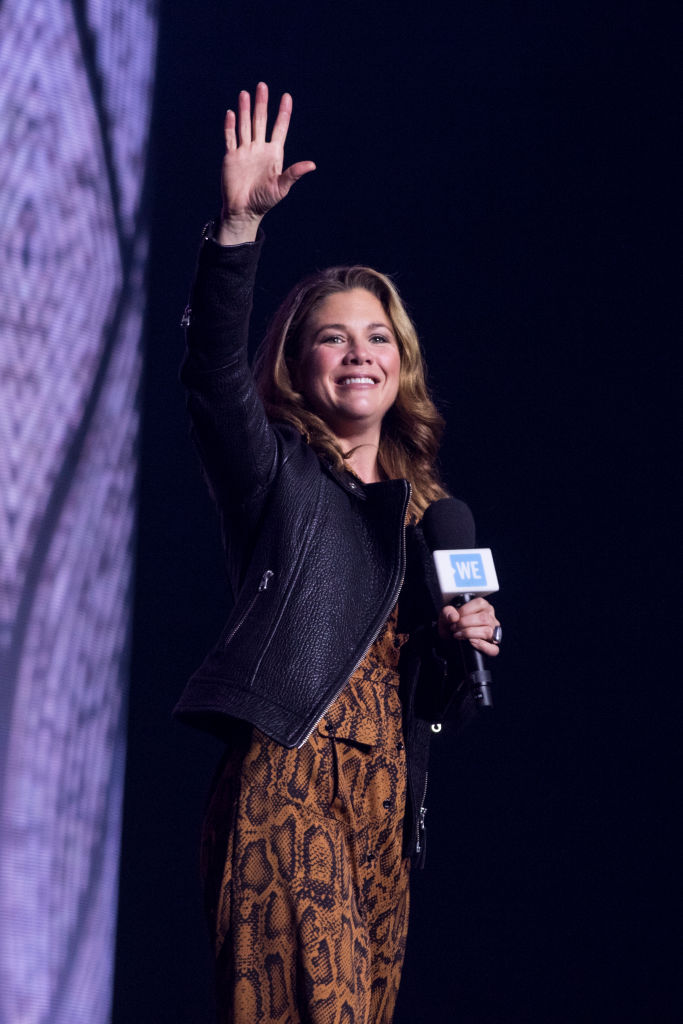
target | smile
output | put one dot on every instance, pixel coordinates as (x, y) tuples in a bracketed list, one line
[(346, 381)]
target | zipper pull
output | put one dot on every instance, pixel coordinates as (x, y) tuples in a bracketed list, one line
[(265, 580), (421, 844), (421, 833)]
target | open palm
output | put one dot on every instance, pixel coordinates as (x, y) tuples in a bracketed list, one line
[(253, 181)]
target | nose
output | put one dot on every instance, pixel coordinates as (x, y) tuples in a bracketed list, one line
[(359, 351)]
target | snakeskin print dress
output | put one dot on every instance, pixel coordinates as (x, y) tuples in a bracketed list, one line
[(306, 888)]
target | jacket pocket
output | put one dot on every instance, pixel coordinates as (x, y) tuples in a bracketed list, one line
[(350, 727)]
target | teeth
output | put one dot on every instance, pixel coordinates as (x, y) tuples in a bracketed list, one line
[(356, 380)]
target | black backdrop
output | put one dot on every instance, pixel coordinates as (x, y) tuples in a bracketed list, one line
[(498, 159)]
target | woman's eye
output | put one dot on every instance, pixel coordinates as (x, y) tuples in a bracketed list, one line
[(379, 338), (333, 339)]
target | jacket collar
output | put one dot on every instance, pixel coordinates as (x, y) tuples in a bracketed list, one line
[(348, 481)]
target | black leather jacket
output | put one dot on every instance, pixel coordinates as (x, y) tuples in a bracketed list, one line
[(316, 559)]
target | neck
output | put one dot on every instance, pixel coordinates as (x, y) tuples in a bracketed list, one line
[(363, 462)]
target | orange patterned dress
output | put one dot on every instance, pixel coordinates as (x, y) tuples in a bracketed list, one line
[(306, 887)]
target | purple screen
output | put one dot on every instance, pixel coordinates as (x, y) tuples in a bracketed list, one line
[(75, 94)]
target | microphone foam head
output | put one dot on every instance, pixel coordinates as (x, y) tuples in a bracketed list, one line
[(448, 523)]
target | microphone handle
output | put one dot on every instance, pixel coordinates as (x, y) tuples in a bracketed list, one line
[(476, 673)]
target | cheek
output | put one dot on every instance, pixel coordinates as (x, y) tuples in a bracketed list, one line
[(393, 370), (311, 372)]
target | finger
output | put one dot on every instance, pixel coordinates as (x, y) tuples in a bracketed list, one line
[(468, 619), (260, 112), (472, 632), (293, 173), (486, 647), (281, 126), (244, 123), (229, 130), (478, 604)]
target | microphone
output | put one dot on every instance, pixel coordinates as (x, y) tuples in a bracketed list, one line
[(464, 572)]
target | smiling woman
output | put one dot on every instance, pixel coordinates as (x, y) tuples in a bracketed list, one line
[(358, 313), (348, 369), (336, 658)]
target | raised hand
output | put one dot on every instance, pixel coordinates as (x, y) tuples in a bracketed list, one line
[(253, 181)]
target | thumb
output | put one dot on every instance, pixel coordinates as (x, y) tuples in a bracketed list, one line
[(450, 613), (293, 173), (447, 619)]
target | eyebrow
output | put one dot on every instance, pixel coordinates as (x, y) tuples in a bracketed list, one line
[(343, 327)]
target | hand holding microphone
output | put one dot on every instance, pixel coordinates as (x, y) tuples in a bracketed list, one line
[(466, 576), (475, 621)]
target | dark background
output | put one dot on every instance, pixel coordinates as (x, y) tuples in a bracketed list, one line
[(508, 164)]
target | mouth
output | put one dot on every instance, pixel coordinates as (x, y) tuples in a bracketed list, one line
[(357, 380)]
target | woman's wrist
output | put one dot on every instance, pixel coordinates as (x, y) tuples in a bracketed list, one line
[(236, 230)]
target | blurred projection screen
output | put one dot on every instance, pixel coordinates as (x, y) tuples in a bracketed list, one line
[(75, 98)]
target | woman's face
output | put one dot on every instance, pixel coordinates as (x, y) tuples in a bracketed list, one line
[(349, 364)]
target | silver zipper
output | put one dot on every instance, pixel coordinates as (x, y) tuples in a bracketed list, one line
[(421, 814), (379, 629), (263, 585)]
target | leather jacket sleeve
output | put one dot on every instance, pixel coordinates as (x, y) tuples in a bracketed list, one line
[(439, 693), (237, 445)]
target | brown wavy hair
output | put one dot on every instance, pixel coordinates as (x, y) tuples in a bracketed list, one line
[(411, 429)]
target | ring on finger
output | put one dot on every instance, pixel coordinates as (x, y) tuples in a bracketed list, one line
[(497, 635)]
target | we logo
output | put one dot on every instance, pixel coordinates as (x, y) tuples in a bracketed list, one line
[(468, 570), (465, 571)]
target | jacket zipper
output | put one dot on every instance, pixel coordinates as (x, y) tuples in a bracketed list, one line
[(380, 628), (263, 585), (420, 827)]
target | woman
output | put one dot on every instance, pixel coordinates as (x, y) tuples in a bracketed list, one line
[(322, 684)]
